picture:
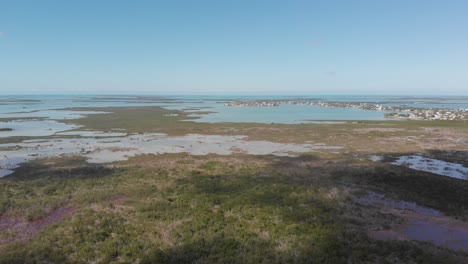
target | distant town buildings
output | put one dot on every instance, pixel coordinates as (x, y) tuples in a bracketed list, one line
[(412, 113)]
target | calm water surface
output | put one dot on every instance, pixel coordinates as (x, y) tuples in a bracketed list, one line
[(46, 107)]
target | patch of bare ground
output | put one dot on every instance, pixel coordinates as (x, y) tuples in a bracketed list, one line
[(17, 229), (113, 205), (169, 161), (379, 129), (418, 223), (118, 199), (444, 139)]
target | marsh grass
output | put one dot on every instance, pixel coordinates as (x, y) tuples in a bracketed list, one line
[(238, 209)]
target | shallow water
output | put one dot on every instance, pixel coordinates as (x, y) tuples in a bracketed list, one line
[(111, 149), (286, 114), (52, 122), (87, 133), (440, 234), (46, 107), (419, 223), (294, 114), (49, 114), (35, 128), (434, 166)]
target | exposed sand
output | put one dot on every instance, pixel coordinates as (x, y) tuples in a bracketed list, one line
[(21, 230)]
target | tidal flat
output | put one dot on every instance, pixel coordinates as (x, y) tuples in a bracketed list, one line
[(333, 193)]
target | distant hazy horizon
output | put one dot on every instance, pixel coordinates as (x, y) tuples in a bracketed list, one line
[(253, 47), (227, 94)]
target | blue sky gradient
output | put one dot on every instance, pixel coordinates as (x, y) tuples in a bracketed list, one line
[(409, 47)]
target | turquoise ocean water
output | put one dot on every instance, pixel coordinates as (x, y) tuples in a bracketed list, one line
[(44, 106)]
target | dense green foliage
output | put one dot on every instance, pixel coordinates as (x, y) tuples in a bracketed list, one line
[(182, 209)]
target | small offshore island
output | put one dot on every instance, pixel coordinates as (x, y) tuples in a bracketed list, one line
[(402, 112)]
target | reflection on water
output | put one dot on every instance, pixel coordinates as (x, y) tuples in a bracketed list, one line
[(434, 166)]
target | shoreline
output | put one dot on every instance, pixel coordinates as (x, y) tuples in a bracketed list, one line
[(403, 112)]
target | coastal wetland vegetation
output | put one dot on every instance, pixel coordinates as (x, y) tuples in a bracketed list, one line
[(179, 208)]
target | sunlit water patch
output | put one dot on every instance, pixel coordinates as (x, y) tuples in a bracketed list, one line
[(435, 166), (111, 149)]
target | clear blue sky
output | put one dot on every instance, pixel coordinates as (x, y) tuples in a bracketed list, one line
[(234, 47)]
